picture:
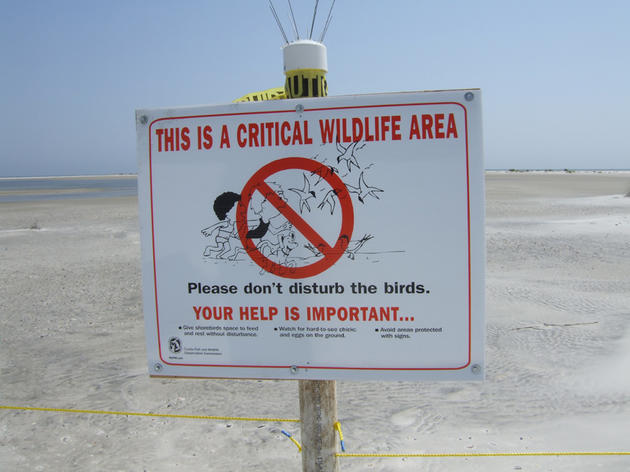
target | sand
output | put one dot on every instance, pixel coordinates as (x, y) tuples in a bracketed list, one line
[(558, 350)]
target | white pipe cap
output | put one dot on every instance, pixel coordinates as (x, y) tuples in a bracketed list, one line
[(304, 54)]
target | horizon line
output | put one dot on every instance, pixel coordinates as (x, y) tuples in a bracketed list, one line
[(135, 174)]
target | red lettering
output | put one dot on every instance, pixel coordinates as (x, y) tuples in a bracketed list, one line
[(159, 133), (414, 131), (185, 139), (245, 312), (253, 135), (326, 129), (427, 123), (396, 136), (225, 137), (257, 313), (173, 139), (307, 138), (292, 313), (213, 312), (439, 126), (368, 136), (269, 127), (169, 139), (297, 134), (451, 129), (240, 131), (385, 126), (318, 313), (284, 129), (207, 137), (357, 129)]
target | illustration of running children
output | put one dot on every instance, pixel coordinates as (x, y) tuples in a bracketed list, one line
[(220, 233), (269, 226), (280, 252), (225, 240)]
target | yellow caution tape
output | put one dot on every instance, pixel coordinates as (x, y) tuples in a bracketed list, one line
[(158, 415), (299, 83), (276, 93), (306, 83)]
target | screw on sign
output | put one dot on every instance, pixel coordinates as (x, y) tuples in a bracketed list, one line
[(330, 253)]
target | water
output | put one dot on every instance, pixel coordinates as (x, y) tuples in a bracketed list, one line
[(57, 188)]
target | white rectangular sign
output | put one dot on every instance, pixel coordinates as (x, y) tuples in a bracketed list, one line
[(329, 238)]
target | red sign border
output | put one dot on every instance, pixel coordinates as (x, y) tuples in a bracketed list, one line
[(356, 107)]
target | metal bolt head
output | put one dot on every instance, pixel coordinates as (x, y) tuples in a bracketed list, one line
[(294, 369), (143, 119), (299, 108), (157, 367), (469, 96), (475, 369)]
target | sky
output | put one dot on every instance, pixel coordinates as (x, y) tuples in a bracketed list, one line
[(554, 75)]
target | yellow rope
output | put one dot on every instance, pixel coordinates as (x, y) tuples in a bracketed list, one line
[(337, 427), (290, 436), (292, 420), (489, 454), (158, 415)]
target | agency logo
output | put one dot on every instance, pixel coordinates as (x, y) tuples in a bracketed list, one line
[(175, 345)]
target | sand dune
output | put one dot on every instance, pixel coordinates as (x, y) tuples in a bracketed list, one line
[(558, 349)]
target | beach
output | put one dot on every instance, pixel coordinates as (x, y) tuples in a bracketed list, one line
[(557, 350)]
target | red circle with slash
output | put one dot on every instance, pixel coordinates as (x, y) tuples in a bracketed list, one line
[(331, 254)]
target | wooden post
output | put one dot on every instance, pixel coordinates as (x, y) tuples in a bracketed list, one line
[(306, 65), (318, 414)]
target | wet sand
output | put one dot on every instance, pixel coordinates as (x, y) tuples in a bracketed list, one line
[(558, 349)]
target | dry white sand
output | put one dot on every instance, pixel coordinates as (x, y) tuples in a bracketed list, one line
[(558, 350)]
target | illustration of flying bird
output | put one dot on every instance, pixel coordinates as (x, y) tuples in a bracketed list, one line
[(355, 245), (304, 194), (324, 171), (364, 190), (347, 155), (329, 199)]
